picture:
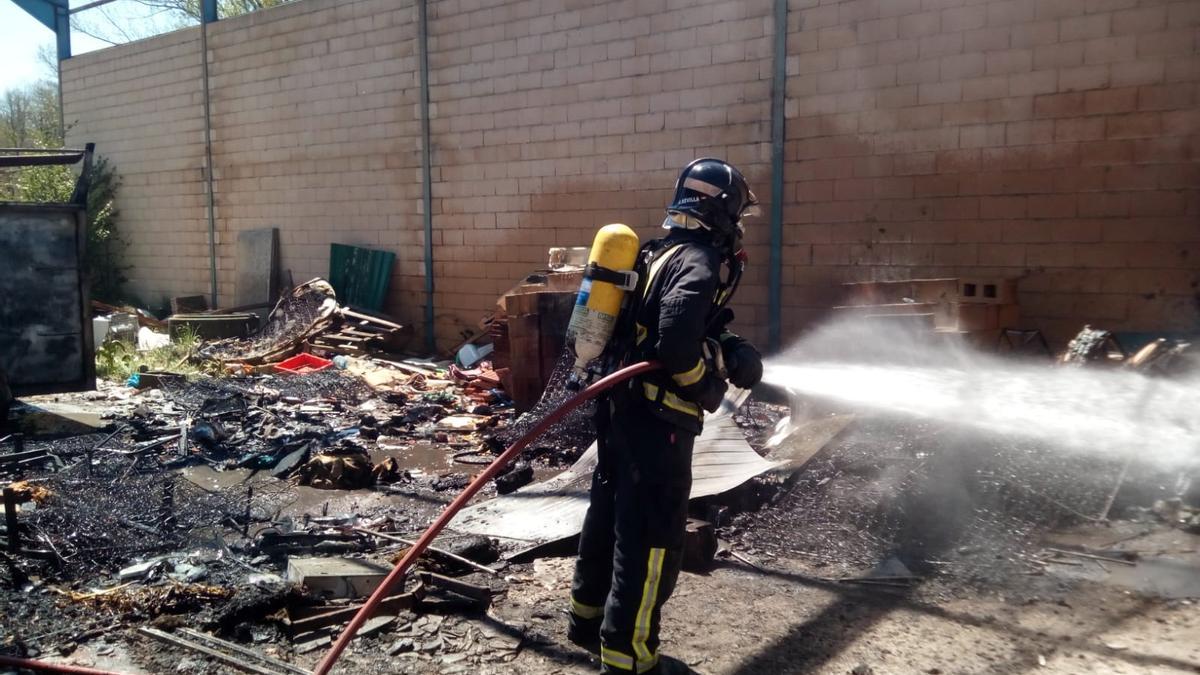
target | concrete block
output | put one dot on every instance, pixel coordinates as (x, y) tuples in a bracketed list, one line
[(983, 317), (337, 577), (987, 291), (699, 546)]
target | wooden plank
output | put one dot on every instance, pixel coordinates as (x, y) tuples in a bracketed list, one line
[(433, 580), (895, 309), (525, 357), (394, 603), (554, 313), (249, 653), (369, 319), (890, 292), (212, 653), (344, 338), (367, 332)]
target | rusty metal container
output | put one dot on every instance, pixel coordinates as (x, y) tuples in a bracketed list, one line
[(45, 315)]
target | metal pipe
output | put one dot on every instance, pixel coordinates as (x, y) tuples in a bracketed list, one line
[(75, 153), (778, 96), (426, 171), (414, 552), (90, 5), (62, 116), (208, 171)]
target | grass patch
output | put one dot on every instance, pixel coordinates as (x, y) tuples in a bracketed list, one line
[(117, 360)]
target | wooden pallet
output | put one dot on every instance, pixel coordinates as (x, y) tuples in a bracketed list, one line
[(353, 333)]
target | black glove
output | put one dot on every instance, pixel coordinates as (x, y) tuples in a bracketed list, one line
[(713, 392), (708, 392), (716, 325), (742, 361)]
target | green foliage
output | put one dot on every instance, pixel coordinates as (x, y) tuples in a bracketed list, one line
[(116, 360), (228, 8), (29, 117), (189, 10), (104, 244)]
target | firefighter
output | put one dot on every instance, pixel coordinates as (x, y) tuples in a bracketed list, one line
[(631, 546)]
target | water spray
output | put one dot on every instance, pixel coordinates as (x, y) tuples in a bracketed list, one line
[(1107, 413)]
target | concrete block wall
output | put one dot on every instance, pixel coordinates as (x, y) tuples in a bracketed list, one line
[(1055, 140), (141, 105), (316, 133), (554, 117)]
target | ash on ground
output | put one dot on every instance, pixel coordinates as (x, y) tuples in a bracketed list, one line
[(966, 510)]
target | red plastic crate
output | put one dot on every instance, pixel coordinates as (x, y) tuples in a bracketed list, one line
[(303, 363)]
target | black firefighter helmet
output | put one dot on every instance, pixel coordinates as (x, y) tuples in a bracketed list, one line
[(716, 194)]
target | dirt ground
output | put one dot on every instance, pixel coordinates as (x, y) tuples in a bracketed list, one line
[(786, 618), (781, 614), (740, 620), (982, 592)]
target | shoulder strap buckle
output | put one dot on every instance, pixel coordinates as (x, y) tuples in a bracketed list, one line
[(626, 281)]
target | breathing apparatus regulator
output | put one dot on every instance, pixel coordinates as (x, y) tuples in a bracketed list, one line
[(709, 194)]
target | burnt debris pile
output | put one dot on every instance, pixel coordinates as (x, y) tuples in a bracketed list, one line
[(297, 487)]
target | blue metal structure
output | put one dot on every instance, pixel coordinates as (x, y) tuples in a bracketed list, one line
[(56, 15)]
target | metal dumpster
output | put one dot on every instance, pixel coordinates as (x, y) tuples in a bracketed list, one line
[(45, 325)]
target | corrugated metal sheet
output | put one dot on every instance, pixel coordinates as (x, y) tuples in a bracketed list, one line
[(554, 509), (360, 276)]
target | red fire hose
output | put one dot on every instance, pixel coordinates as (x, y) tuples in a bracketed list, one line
[(398, 572), (42, 666)]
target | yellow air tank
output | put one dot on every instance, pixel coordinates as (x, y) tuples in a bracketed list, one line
[(615, 249)]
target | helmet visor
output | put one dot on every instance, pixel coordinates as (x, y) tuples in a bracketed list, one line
[(751, 207)]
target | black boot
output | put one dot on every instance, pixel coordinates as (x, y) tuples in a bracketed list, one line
[(670, 666), (584, 633)]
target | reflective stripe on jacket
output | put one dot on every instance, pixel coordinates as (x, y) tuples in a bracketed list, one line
[(680, 287)]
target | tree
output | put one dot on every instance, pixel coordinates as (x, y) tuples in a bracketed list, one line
[(225, 8), (55, 183), (29, 119), (14, 118), (158, 16)]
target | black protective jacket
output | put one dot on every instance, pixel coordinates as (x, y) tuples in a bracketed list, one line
[(680, 282)]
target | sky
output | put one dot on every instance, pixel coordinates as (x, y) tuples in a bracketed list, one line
[(20, 37)]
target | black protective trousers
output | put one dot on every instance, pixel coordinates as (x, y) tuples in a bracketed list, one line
[(631, 547)]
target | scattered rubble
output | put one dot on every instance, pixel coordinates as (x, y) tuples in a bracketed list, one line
[(200, 497), (1169, 357), (236, 520), (1178, 514)]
